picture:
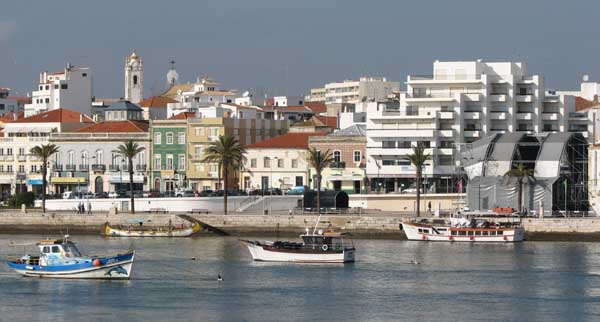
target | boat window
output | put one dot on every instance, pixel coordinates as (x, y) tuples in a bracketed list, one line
[(493, 233), (426, 231), (500, 232), (55, 249), (72, 250), (420, 230), (477, 233), (485, 233), (441, 229), (470, 233), (453, 233), (462, 233), (46, 249)]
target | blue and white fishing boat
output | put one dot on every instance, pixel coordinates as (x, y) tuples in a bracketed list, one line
[(60, 258)]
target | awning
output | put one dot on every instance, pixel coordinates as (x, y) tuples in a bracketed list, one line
[(34, 182), (68, 180), (344, 178), (125, 178)]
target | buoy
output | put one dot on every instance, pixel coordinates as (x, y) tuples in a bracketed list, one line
[(472, 238), (505, 238), (450, 238), (219, 278), (423, 237), (96, 262)]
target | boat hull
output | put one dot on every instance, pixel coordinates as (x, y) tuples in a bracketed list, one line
[(115, 232), (426, 233), (260, 253), (116, 267)]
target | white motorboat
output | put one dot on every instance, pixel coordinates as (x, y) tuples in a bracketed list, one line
[(462, 230)]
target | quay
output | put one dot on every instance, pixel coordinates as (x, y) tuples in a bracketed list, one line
[(382, 225)]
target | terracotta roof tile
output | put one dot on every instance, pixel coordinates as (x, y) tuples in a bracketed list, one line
[(330, 121), (22, 99), (316, 107), (10, 117), (182, 116), (172, 91), (116, 127), (156, 101), (61, 115), (288, 140), (583, 104)]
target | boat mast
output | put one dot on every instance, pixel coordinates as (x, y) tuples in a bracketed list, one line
[(317, 223)]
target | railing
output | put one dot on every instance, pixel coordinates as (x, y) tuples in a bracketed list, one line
[(57, 167), (577, 115), (98, 167), (70, 167), (84, 167), (113, 168), (338, 165), (449, 77), (116, 136), (141, 167)]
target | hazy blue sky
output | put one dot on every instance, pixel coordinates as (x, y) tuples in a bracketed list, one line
[(291, 46)]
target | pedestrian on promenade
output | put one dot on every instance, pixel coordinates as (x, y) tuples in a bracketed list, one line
[(79, 208), (89, 207), (429, 206), (82, 208)]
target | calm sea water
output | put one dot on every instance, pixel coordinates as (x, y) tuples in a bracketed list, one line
[(530, 281)]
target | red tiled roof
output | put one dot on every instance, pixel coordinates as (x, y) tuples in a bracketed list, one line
[(330, 121), (156, 101), (182, 116), (22, 99), (10, 117), (61, 115), (116, 127), (583, 104), (238, 106), (316, 107), (288, 140)]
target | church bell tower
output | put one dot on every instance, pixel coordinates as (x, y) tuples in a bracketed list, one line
[(134, 78)]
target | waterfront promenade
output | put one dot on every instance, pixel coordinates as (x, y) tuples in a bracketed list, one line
[(366, 225)]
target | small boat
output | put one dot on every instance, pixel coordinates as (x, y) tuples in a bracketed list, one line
[(139, 231), (60, 258), (316, 247), (463, 230)]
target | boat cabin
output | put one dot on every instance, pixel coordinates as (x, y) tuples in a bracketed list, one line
[(325, 241), (59, 247)]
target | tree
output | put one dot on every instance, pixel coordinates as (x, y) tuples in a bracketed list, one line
[(44, 152), (521, 173), (319, 161), (130, 150), (418, 159), (229, 154)]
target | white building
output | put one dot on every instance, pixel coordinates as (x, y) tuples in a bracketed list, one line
[(353, 91), (205, 92), (7, 104), (460, 103), (70, 89)]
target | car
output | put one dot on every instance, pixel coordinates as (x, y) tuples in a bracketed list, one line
[(101, 195), (206, 193), (410, 190), (152, 194), (117, 194), (185, 193)]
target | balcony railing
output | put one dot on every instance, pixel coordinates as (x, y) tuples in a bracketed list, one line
[(113, 168), (577, 115), (84, 167), (57, 167), (141, 167), (70, 167), (338, 165), (98, 167)]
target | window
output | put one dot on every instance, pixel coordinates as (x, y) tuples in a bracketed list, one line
[(404, 144), (337, 156), (21, 151), (266, 162), (47, 100), (55, 249), (446, 144), (157, 162), (252, 163), (197, 152), (280, 163), (84, 158), (22, 169), (170, 138), (424, 144), (9, 168), (181, 162), (181, 138), (357, 156), (388, 144), (84, 75), (9, 151), (99, 157), (157, 137), (294, 163), (199, 131), (55, 86), (169, 162), (64, 86), (445, 159), (34, 168), (1, 151), (299, 181), (412, 110), (135, 80)]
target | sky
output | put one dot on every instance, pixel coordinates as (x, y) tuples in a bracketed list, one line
[(286, 47)]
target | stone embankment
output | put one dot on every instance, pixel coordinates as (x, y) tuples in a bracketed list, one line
[(369, 226)]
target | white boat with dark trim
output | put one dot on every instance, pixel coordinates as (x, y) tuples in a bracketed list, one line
[(316, 247), (462, 230), (60, 258)]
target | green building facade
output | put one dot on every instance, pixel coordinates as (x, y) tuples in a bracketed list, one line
[(168, 160)]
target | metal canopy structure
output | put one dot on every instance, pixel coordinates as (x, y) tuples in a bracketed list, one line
[(559, 161)]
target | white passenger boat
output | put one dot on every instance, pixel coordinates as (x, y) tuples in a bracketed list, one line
[(316, 247), (61, 259), (462, 230)]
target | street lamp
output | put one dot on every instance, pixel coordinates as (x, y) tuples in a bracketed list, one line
[(271, 181)]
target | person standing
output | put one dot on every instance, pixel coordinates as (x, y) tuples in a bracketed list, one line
[(89, 207)]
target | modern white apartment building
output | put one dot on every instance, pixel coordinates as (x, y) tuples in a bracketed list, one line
[(352, 91), (70, 89), (460, 103)]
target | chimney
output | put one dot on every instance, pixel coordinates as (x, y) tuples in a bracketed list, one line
[(80, 118), (14, 116)]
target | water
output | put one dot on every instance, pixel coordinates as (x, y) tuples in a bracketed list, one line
[(530, 281)]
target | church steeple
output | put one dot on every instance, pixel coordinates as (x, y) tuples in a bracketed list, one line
[(172, 76), (134, 78)]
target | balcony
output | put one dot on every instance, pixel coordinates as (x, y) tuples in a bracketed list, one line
[(445, 133), (10, 157), (472, 97), (576, 115), (141, 167), (550, 116), (472, 133), (84, 167), (337, 165), (499, 129), (98, 167), (446, 115), (497, 97), (22, 158), (471, 115), (524, 115), (57, 167), (524, 98), (113, 168), (498, 115), (444, 78), (70, 167)]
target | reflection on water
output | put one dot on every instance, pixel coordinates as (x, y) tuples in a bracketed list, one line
[(452, 282)]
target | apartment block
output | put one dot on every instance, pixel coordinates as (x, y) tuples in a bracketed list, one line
[(352, 91)]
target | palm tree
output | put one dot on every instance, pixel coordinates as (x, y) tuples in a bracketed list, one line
[(130, 150), (44, 152), (521, 173), (229, 154), (418, 159), (319, 161)]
